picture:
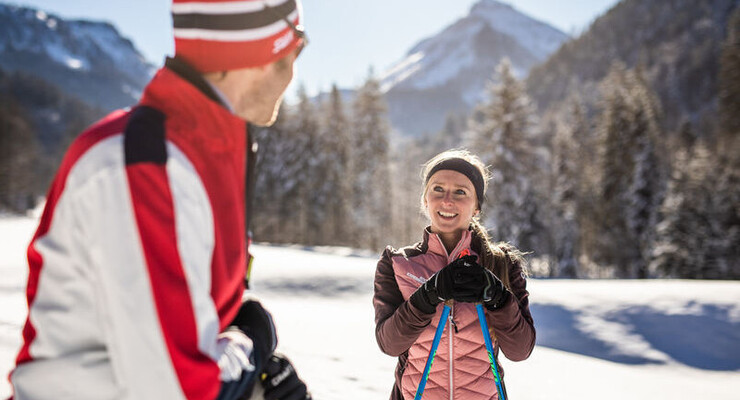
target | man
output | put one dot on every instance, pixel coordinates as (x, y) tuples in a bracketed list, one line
[(137, 269)]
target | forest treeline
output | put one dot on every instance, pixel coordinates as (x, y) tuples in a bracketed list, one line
[(604, 182)]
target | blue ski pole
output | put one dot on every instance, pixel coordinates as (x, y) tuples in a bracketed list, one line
[(433, 351), (489, 348)]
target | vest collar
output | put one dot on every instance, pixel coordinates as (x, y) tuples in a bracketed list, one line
[(434, 243)]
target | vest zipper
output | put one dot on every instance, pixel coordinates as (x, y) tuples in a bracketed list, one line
[(452, 325)]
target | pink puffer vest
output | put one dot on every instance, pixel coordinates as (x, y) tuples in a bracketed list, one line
[(461, 369)]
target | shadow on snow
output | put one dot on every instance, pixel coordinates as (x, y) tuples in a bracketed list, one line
[(707, 339)]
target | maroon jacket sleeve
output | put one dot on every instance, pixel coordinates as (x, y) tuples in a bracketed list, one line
[(397, 322), (513, 322)]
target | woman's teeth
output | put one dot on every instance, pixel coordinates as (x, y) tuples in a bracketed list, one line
[(446, 214)]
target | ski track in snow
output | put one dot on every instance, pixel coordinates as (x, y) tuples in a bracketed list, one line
[(596, 339)]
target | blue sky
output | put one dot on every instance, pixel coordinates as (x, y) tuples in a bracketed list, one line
[(347, 36)]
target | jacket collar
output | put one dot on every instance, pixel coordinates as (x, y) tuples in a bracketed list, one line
[(434, 244), (190, 75), (190, 103)]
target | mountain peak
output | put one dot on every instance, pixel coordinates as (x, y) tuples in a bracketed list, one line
[(489, 5), (537, 36), (449, 70), (81, 56), (491, 27)]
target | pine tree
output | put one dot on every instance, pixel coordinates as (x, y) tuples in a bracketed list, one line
[(728, 188), (369, 166), (700, 231), (615, 170), (451, 135), (568, 166), (647, 187), (336, 187), (19, 152), (501, 133), (729, 79), (310, 196), (272, 213), (407, 157), (684, 234), (631, 182)]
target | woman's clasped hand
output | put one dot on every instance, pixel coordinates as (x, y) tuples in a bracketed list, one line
[(463, 280)]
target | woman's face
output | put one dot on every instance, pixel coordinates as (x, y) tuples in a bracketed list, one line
[(450, 202)]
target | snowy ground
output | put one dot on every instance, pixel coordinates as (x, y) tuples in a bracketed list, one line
[(596, 339)]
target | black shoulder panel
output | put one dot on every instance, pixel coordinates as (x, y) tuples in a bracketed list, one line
[(413, 250), (144, 137)]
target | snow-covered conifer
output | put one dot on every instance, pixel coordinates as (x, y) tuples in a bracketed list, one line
[(501, 133), (369, 166)]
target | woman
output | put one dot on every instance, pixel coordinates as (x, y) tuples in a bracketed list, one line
[(412, 283)]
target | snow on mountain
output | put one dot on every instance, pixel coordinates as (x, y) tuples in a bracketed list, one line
[(90, 60), (437, 60), (538, 37), (449, 71), (596, 339)]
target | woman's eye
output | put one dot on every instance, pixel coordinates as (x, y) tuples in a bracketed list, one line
[(438, 189), (460, 192)]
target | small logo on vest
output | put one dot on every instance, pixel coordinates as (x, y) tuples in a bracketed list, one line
[(282, 42), (416, 278)]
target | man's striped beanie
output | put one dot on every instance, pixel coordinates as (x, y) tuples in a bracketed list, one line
[(222, 35)]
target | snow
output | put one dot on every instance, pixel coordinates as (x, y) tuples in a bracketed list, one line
[(431, 63), (536, 36), (77, 44), (446, 67), (108, 40), (443, 57), (402, 70), (603, 339), (59, 53)]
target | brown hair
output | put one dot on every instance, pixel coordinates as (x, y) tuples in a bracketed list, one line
[(496, 257)]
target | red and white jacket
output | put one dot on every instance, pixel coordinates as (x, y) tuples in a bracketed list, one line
[(461, 368), (140, 256)]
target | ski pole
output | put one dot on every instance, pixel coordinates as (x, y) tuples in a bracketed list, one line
[(489, 348), (433, 351)]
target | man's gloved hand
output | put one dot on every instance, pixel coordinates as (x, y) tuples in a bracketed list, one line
[(451, 282), (256, 322), (281, 382)]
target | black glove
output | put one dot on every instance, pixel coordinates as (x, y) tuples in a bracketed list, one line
[(451, 282), (256, 322), (281, 382), (494, 294)]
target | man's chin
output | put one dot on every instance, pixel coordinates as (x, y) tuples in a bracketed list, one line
[(265, 122), (261, 122)]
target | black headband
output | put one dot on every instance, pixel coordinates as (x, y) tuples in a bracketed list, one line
[(465, 168)]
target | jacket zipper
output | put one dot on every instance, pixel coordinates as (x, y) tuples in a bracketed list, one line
[(452, 324)]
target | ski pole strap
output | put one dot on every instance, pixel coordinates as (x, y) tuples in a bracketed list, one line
[(489, 348), (433, 351)]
